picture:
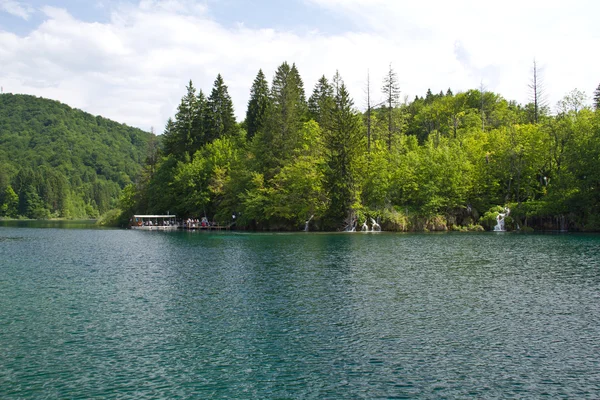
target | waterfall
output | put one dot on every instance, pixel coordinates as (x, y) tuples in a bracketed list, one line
[(365, 227), (351, 227), (500, 220), (375, 226), (307, 222)]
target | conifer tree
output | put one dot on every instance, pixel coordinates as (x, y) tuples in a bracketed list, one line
[(198, 135), (288, 112), (344, 144), (169, 138), (429, 97), (321, 100), (597, 98), (219, 118), (184, 119), (257, 105)]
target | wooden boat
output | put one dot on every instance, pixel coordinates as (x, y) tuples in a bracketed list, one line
[(154, 222)]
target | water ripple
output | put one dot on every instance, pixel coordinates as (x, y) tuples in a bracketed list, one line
[(125, 314)]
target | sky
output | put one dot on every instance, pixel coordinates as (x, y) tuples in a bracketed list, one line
[(130, 60)]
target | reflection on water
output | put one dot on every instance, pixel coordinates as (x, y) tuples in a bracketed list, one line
[(61, 224), (96, 313)]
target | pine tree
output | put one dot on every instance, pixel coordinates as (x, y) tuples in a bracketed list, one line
[(597, 98), (429, 97), (170, 141), (321, 100), (219, 118), (344, 144), (257, 105), (184, 119), (198, 135), (391, 90), (287, 114)]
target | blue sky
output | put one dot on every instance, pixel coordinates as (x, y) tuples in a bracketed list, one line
[(130, 60), (295, 15)]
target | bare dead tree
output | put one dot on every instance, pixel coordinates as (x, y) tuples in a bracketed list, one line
[(481, 94), (368, 112), (537, 92), (391, 90)]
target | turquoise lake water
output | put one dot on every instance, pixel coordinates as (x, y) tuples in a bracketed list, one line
[(90, 313)]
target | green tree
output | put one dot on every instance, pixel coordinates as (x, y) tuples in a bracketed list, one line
[(219, 117), (288, 112), (321, 101), (170, 139), (257, 105), (198, 134), (344, 145), (296, 192), (184, 123), (9, 203)]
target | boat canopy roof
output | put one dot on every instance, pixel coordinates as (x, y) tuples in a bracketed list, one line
[(154, 216)]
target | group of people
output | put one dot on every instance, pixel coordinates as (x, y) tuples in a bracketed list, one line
[(149, 222), (195, 223)]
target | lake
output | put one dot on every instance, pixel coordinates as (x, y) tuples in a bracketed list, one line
[(134, 314)]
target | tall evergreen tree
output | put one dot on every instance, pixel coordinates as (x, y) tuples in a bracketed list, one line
[(198, 134), (219, 117), (170, 140), (321, 100), (391, 90), (597, 98), (257, 105), (429, 98), (287, 114), (344, 144), (186, 112)]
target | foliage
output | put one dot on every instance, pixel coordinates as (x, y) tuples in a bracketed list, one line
[(63, 162), (439, 162), (111, 218), (442, 161), (258, 105)]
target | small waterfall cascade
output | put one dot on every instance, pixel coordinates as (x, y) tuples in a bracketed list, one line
[(351, 227), (307, 222), (375, 226), (365, 227), (500, 220)]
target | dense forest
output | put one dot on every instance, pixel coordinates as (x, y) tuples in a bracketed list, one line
[(441, 161), (59, 162)]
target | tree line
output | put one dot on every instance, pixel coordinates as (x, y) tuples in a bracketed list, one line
[(441, 161)]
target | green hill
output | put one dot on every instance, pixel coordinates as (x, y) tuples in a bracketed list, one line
[(56, 161)]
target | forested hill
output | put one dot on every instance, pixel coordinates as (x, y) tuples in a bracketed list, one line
[(56, 161)]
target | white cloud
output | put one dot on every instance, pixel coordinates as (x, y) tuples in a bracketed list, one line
[(16, 8), (134, 67)]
